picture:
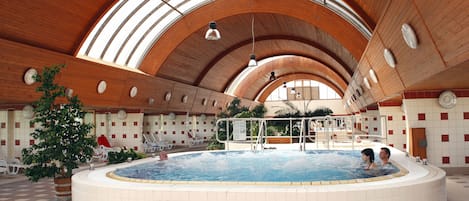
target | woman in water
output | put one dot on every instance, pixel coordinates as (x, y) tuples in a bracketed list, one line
[(368, 156)]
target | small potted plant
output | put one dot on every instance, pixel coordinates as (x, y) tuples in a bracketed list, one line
[(62, 139)]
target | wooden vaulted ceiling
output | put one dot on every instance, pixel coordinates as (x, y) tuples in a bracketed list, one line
[(321, 46)]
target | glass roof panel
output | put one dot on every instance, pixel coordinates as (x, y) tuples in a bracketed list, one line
[(130, 28), (126, 32)]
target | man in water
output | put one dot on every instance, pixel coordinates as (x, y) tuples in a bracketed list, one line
[(384, 155)]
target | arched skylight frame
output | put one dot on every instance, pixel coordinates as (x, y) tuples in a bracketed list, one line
[(346, 12), (125, 34)]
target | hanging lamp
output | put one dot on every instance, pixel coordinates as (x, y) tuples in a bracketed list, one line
[(212, 32), (252, 57)]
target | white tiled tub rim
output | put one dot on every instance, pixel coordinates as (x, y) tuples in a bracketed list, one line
[(420, 176)]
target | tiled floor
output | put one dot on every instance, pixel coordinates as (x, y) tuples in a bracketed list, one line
[(458, 187)]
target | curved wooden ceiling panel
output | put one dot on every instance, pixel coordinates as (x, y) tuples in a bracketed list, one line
[(311, 13), (253, 84)]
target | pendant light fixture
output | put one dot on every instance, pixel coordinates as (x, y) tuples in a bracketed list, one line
[(212, 32), (272, 76), (252, 58)]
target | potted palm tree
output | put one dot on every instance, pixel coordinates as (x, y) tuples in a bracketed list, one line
[(62, 139)]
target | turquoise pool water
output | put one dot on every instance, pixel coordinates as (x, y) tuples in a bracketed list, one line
[(265, 166)]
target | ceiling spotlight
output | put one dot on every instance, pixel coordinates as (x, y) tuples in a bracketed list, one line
[(292, 91), (284, 84), (409, 35), (389, 58), (373, 76), (252, 61), (272, 76), (212, 32)]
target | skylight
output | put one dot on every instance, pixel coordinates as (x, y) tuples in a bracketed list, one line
[(129, 29)]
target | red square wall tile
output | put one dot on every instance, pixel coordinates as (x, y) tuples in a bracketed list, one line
[(135, 123), (182, 123), (205, 122), (197, 123), (17, 125), (164, 123), (404, 146), (403, 132), (135, 135), (182, 132), (174, 141), (174, 123), (182, 141), (102, 123), (375, 129), (366, 119), (466, 137), (113, 124), (17, 142), (3, 142), (205, 130), (124, 123), (444, 116), (389, 118), (124, 136), (135, 148), (174, 132), (390, 132), (374, 118), (3, 125), (391, 145), (421, 116), (445, 159), (467, 159), (113, 136), (31, 142), (165, 132), (156, 123), (466, 115), (445, 138), (403, 117)]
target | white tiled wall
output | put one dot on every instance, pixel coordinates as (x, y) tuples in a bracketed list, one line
[(120, 132), (396, 126), (455, 150), (175, 130), (370, 121)]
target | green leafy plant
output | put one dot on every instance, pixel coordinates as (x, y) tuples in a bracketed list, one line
[(122, 156), (235, 110), (62, 138)]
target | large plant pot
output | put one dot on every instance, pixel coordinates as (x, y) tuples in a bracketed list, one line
[(63, 188)]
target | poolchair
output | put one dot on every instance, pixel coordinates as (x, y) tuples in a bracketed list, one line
[(15, 165), (149, 145), (104, 148), (195, 140), (161, 143), (4, 167)]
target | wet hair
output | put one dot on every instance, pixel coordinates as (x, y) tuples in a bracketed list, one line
[(385, 149), (370, 153)]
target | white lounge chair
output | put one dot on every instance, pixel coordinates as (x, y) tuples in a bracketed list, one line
[(149, 142), (4, 167), (195, 140), (161, 143), (15, 166)]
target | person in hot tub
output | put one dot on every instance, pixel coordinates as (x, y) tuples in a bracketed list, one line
[(368, 156), (384, 155)]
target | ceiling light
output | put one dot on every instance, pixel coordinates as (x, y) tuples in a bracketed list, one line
[(367, 84), (272, 76), (293, 91), (252, 58), (389, 57), (373, 76), (409, 36), (252, 61), (284, 84), (212, 32)]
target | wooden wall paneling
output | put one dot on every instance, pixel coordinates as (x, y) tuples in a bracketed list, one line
[(364, 68), (388, 77), (179, 91), (83, 77), (413, 65), (448, 24), (197, 105)]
